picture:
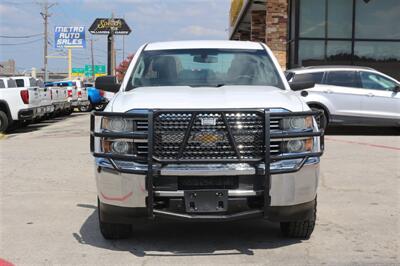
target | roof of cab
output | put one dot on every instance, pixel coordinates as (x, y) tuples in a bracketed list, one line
[(245, 45)]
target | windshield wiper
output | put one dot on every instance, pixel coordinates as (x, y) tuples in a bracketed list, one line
[(207, 85)]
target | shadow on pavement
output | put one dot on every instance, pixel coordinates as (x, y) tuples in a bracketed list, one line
[(179, 238), (19, 129), (363, 131)]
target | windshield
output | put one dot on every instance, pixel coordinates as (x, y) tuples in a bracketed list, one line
[(204, 67)]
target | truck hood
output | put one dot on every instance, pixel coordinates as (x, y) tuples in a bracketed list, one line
[(185, 97)]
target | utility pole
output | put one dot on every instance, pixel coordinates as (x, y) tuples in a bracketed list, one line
[(123, 45), (110, 51), (45, 15), (91, 52)]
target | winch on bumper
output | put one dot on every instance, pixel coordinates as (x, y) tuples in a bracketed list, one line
[(205, 164)]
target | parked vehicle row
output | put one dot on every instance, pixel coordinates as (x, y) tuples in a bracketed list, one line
[(350, 95), (26, 99)]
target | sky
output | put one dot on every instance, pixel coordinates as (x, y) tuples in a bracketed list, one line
[(150, 21)]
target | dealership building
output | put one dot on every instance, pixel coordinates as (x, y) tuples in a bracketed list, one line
[(323, 32)]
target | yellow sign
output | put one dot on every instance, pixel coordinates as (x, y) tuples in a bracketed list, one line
[(77, 74)]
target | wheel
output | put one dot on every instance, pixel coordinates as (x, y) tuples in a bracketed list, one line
[(322, 121), (69, 111), (3, 122), (113, 231), (85, 108), (300, 229)]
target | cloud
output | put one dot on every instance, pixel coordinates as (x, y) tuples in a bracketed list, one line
[(199, 31)]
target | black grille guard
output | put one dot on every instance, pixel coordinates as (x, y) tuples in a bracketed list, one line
[(153, 166)]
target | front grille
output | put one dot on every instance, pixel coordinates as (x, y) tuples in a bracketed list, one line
[(212, 136)]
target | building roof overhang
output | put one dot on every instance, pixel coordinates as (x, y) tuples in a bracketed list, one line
[(242, 22)]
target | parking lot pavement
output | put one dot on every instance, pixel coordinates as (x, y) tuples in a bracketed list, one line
[(48, 212)]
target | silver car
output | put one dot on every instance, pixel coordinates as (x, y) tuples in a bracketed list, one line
[(351, 95)]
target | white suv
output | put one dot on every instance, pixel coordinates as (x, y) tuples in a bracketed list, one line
[(351, 95), (205, 131)]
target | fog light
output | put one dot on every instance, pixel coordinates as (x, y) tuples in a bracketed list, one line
[(295, 145), (120, 147)]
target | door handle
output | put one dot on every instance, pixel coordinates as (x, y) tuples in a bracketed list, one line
[(328, 91), (370, 95)]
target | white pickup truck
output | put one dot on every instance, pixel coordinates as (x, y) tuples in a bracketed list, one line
[(17, 104), (83, 99), (44, 93), (59, 98), (206, 131)]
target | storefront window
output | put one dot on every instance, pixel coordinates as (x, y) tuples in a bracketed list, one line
[(311, 52), (383, 56), (312, 18), (339, 52), (326, 34), (339, 18), (377, 19)]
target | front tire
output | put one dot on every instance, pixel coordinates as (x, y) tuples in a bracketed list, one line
[(3, 122), (111, 230), (300, 229)]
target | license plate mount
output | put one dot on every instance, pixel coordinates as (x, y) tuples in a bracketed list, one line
[(204, 201)]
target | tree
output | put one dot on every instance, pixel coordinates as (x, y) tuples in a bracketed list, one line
[(123, 67)]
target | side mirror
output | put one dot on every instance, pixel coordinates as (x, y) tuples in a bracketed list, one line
[(302, 82), (107, 83), (396, 89)]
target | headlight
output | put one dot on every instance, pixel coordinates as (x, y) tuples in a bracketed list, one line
[(298, 145), (297, 123), (117, 124)]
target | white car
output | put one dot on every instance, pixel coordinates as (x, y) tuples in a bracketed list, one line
[(205, 131), (351, 95)]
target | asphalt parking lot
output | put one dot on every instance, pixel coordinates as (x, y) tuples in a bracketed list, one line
[(48, 208)]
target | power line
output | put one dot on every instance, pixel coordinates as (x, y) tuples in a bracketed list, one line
[(22, 36), (21, 43)]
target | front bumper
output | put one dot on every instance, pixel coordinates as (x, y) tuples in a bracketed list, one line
[(129, 190), (275, 181)]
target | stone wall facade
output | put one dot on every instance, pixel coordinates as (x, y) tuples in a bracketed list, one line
[(277, 29), (258, 24)]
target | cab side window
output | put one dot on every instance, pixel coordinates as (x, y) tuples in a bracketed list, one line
[(11, 83), (374, 81), (2, 85), (20, 83), (343, 79)]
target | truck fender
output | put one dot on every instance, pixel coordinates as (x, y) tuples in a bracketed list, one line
[(4, 107)]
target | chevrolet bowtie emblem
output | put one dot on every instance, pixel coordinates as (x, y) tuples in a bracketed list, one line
[(208, 137)]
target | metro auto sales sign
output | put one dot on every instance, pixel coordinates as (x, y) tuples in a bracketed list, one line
[(69, 37)]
